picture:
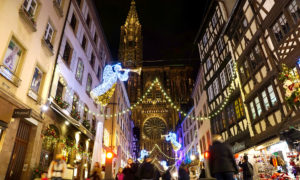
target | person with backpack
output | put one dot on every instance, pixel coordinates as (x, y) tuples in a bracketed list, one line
[(247, 168)]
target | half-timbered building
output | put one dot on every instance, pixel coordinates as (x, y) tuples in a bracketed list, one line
[(226, 108)]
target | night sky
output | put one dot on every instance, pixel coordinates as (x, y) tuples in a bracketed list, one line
[(169, 27)]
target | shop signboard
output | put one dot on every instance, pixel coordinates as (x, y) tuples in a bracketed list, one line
[(237, 147), (21, 113)]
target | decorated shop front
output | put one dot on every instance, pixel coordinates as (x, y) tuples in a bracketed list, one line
[(270, 160)]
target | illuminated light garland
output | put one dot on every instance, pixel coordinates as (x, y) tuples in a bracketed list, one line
[(231, 89), (156, 146)]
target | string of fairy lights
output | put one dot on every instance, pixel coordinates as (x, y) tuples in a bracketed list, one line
[(168, 100), (225, 102)]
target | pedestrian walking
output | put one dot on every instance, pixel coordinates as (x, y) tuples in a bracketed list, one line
[(57, 168), (221, 161), (247, 168), (120, 175), (96, 172), (130, 170), (147, 170), (183, 173)]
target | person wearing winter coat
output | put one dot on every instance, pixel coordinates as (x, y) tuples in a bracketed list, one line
[(96, 172), (130, 170), (147, 170), (120, 175), (247, 168), (221, 161)]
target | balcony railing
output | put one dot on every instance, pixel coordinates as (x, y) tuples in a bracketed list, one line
[(6, 73)]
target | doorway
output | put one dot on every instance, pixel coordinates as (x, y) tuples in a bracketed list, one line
[(16, 163)]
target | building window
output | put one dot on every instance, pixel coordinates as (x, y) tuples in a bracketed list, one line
[(294, 10), (258, 106), (85, 112), (253, 112), (88, 20), (79, 70), (208, 64), (223, 78), (96, 38), (99, 73), (205, 39), (231, 113), (67, 53), (266, 100), (36, 80), (272, 95), (220, 45), (214, 20), (89, 84), (92, 62), (83, 42), (281, 28), (216, 87), (210, 93), (49, 33), (59, 89), (229, 68), (12, 56), (30, 7), (73, 22), (75, 102)]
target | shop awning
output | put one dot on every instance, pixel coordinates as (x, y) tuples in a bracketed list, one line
[(72, 121)]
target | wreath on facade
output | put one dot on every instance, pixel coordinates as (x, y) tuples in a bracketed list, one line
[(61, 103), (75, 114), (50, 137), (291, 85)]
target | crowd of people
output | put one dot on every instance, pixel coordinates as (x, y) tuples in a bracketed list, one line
[(222, 166)]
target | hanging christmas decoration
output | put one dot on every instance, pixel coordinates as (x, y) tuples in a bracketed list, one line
[(144, 153), (172, 138), (291, 85), (102, 93)]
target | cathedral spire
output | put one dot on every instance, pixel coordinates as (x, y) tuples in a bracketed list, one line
[(130, 48)]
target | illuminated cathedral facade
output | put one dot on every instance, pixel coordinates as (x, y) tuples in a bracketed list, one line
[(154, 115)]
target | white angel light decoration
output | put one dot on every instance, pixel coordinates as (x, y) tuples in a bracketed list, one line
[(144, 153), (102, 93), (172, 138)]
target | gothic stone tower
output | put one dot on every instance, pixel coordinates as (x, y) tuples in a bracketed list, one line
[(154, 115), (131, 50)]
